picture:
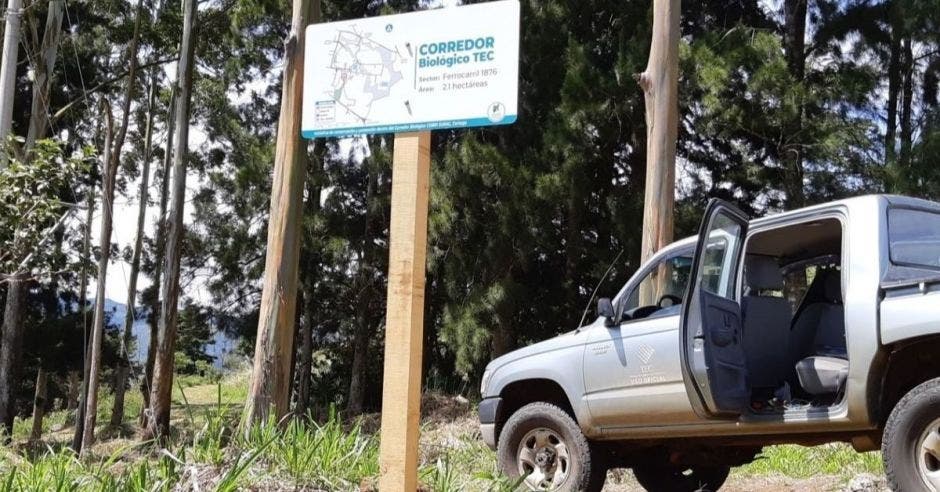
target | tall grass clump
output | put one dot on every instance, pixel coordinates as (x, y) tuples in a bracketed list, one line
[(325, 455)]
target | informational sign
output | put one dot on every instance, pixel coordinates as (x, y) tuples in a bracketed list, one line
[(453, 67)]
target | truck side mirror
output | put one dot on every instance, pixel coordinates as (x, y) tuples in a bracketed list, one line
[(605, 309)]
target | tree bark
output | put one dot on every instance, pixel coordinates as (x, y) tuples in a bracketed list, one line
[(39, 404), (10, 343), (306, 353), (159, 251), (270, 377), (123, 369), (907, 116), (108, 172), (894, 89), (309, 284), (660, 83), (792, 148), (162, 384), (73, 390), (43, 71), (11, 42), (356, 395), (86, 333)]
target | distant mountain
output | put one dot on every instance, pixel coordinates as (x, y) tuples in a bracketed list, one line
[(220, 346)]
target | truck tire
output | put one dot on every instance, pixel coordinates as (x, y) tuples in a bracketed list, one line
[(543, 448), (911, 442), (678, 479)]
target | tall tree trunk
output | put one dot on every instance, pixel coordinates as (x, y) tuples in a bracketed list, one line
[(894, 89), (306, 352), (11, 45), (10, 343), (660, 83), (792, 148), (162, 384), (108, 172), (907, 116), (270, 376), (356, 395), (83, 309), (117, 411), (573, 247), (42, 73), (39, 404), (112, 163), (38, 123), (159, 251), (73, 389), (314, 187)]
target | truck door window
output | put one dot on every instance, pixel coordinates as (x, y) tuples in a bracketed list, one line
[(669, 277), (717, 275), (914, 237)]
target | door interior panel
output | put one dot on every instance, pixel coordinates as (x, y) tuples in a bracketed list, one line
[(724, 354)]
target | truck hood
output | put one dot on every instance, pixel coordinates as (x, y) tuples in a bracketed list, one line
[(562, 341)]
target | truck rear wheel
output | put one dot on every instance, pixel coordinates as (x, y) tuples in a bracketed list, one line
[(543, 448), (681, 479), (911, 442)]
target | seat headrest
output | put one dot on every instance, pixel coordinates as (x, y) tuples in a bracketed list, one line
[(762, 273), (832, 286)]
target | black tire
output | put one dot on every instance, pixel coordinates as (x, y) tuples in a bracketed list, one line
[(584, 471), (911, 420), (678, 479)]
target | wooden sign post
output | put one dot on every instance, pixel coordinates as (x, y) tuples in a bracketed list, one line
[(409, 74), (404, 330)]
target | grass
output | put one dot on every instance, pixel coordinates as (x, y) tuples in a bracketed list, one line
[(209, 454), (803, 462)]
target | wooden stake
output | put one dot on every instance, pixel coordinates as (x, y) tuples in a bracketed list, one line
[(404, 332), (660, 83)]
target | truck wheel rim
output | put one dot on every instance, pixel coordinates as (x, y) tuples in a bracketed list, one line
[(543, 459), (928, 455)]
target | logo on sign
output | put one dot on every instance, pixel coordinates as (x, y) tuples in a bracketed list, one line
[(497, 112)]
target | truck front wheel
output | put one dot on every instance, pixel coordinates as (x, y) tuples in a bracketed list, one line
[(543, 448), (911, 442)]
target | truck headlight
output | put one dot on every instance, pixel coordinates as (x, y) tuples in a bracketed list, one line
[(486, 379)]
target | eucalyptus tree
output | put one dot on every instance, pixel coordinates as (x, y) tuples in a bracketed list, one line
[(114, 144), (38, 126), (158, 424)]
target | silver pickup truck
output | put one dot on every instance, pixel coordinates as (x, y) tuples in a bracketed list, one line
[(812, 326)]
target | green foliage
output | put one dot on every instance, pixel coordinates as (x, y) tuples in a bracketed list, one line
[(31, 187), (804, 462)]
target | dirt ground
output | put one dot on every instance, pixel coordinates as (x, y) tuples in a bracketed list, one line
[(623, 482)]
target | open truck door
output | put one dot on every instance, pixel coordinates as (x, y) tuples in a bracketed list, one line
[(713, 363)]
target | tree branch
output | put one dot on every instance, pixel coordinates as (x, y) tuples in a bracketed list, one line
[(68, 106)]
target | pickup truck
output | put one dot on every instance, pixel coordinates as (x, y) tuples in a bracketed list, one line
[(811, 326)]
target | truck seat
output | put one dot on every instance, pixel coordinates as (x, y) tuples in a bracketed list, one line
[(823, 364), (822, 375), (766, 323)]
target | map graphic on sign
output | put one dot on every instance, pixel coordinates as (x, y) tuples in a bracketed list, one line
[(446, 68), (364, 71)]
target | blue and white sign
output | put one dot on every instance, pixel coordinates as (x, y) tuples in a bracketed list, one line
[(454, 67)]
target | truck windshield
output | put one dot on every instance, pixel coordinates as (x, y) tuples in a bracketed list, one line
[(914, 237)]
